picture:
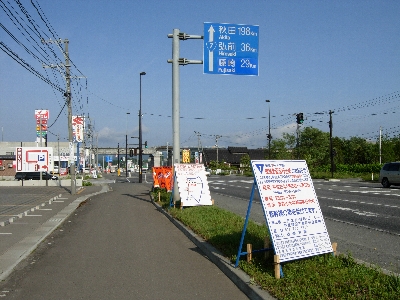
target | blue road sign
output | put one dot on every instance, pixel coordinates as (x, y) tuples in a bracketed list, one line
[(230, 49)]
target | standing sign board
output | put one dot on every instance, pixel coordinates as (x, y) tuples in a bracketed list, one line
[(34, 159), (192, 184), (230, 49), (162, 177), (291, 209)]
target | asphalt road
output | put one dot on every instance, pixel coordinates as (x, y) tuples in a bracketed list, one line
[(117, 245), (363, 218)]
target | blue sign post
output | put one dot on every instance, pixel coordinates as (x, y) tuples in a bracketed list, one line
[(230, 49)]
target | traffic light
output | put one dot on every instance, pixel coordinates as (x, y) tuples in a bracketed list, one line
[(130, 152), (145, 144), (299, 118), (135, 151)]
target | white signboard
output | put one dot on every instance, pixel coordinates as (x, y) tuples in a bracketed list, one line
[(78, 123), (192, 184), (291, 209), (42, 115), (34, 159)]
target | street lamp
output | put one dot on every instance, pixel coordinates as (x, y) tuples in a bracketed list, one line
[(269, 136), (140, 128), (126, 146)]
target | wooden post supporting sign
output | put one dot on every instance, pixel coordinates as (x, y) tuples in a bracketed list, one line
[(249, 250), (277, 267)]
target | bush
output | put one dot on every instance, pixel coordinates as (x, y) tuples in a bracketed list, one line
[(163, 195), (86, 183)]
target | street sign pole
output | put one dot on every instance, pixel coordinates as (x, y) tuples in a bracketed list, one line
[(176, 61)]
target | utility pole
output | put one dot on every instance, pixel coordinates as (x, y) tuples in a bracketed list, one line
[(69, 105), (216, 145), (68, 101), (199, 141), (330, 141)]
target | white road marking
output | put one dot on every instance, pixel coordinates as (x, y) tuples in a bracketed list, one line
[(356, 211)]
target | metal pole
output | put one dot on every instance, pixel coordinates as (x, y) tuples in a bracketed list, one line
[(380, 144), (70, 135), (330, 141), (126, 146), (126, 156), (269, 129), (297, 141), (58, 146), (140, 128), (176, 159), (118, 159)]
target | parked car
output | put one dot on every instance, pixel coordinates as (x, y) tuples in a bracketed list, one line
[(390, 174), (34, 176)]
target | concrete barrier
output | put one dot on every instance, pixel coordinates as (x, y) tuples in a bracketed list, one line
[(63, 182)]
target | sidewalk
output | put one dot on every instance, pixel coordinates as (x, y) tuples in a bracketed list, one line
[(120, 245)]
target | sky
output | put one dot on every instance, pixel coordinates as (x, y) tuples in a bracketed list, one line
[(313, 57)]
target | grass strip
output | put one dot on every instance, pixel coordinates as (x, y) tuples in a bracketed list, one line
[(317, 277)]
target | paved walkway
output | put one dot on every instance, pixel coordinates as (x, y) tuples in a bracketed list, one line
[(118, 245)]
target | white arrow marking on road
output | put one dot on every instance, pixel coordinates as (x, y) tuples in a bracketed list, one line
[(211, 52)]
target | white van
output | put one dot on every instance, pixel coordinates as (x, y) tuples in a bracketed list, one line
[(390, 174)]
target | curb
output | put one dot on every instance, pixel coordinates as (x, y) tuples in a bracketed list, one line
[(25, 213), (236, 275)]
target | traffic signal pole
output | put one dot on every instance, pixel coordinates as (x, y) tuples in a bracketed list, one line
[(299, 121)]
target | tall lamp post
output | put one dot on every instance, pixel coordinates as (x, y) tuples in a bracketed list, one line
[(140, 128), (269, 136), (126, 146)]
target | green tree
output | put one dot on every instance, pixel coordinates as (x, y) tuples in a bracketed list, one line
[(390, 149), (283, 148), (314, 147), (358, 151), (245, 162)]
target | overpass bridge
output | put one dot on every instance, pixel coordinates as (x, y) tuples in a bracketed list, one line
[(115, 150), (153, 153)]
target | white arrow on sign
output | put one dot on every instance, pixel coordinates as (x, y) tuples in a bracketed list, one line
[(210, 51)]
